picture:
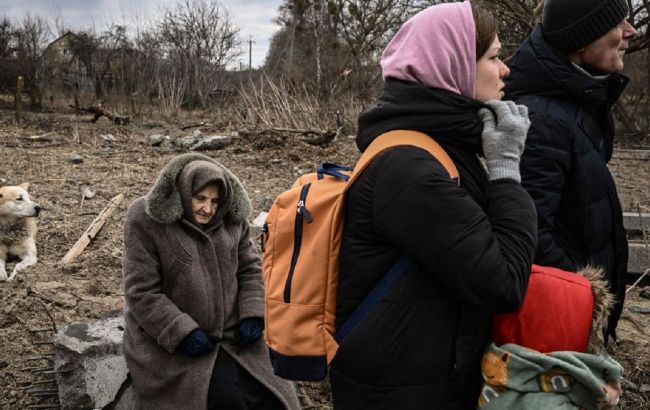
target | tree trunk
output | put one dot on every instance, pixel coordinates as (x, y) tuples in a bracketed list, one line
[(19, 98), (319, 68), (647, 91), (292, 39)]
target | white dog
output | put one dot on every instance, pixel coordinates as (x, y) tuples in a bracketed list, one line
[(17, 228)]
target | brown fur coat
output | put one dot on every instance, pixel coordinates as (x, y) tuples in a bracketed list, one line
[(179, 277)]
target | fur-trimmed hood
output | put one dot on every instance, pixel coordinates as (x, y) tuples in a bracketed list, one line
[(164, 203), (562, 311), (603, 302)]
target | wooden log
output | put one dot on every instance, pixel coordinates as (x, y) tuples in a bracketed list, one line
[(92, 230), (18, 99)]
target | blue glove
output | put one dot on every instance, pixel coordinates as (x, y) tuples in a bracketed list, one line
[(195, 344), (250, 330)]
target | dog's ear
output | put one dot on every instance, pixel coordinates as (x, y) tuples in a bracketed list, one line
[(24, 186)]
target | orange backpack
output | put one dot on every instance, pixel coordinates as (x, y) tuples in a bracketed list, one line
[(302, 239)]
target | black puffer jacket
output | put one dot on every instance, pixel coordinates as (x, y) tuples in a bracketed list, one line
[(564, 166), (472, 248)]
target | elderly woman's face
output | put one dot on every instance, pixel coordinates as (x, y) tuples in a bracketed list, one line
[(490, 72), (205, 204)]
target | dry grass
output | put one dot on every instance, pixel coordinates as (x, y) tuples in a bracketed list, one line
[(274, 103)]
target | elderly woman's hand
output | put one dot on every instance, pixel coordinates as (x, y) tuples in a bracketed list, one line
[(195, 344), (503, 138), (250, 330)]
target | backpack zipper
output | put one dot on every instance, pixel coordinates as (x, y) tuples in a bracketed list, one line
[(263, 235), (301, 213)]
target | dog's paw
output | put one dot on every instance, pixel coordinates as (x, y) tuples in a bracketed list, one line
[(17, 269), (3, 276)]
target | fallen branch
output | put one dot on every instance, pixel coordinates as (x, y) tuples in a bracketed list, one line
[(638, 280), (47, 311), (99, 112), (33, 292), (42, 137), (187, 127), (311, 136), (18, 145), (299, 131), (92, 230)]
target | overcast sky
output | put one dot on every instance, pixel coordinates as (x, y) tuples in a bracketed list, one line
[(254, 17)]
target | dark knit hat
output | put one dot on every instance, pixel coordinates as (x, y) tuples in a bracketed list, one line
[(570, 25)]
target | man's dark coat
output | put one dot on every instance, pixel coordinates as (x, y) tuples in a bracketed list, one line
[(564, 166)]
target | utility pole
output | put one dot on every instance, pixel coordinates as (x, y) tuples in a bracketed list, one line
[(250, 57)]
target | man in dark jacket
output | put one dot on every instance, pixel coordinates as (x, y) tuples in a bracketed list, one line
[(568, 74)]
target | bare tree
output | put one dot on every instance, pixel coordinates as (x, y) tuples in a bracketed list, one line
[(8, 66), (31, 39), (6, 34), (201, 38), (317, 20), (640, 17), (294, 13), (366, 27), (520, 16), (112, 45)]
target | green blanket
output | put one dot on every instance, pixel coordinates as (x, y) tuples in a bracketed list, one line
[(520, 378)]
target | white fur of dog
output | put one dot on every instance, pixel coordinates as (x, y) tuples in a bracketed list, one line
[(17, 228)]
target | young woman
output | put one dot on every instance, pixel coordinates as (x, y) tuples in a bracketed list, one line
[(470, 246)]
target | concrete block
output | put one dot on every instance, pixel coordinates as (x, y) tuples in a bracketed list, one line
[(258, 222), (639, 258), (634, 223), (90, 368)]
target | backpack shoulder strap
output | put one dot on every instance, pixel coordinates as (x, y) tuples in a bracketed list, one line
[(397, 138), (399, 268)]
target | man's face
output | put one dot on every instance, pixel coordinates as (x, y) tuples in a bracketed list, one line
[(606, 53), (205, 204)]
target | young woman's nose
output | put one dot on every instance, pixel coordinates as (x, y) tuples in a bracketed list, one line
[(504, 71)]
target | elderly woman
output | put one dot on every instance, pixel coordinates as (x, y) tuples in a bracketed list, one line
[(194, 295), (470, 246)]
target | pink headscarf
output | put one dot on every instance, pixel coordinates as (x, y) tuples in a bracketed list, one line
[(437, 48)]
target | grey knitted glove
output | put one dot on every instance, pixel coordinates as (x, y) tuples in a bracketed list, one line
[(503, 138)]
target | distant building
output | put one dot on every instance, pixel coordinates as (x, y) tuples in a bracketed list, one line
[(63, 67)]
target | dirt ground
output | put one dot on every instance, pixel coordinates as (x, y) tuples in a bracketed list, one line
[(39, 151)]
